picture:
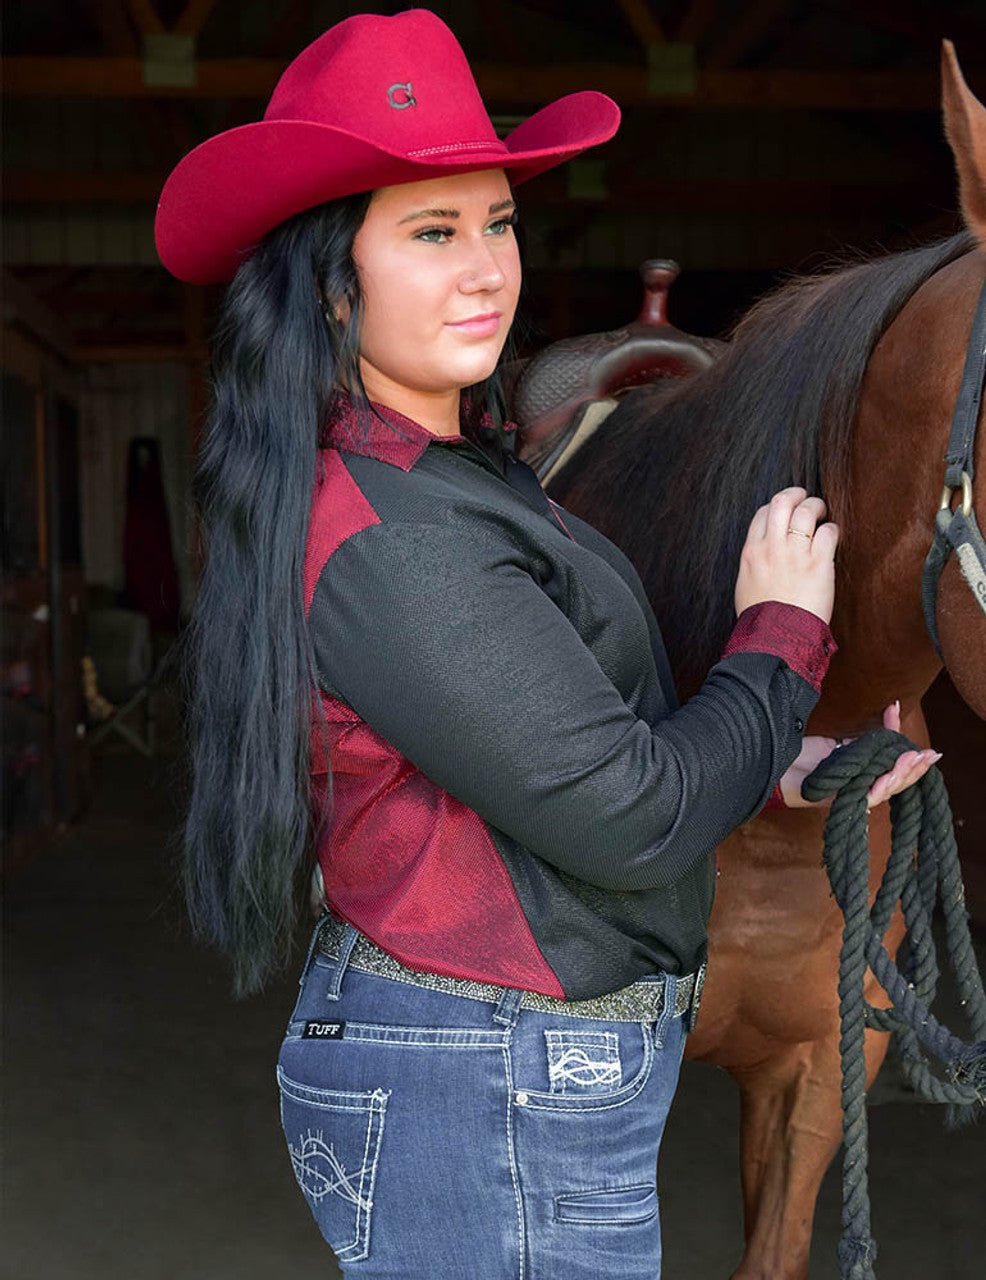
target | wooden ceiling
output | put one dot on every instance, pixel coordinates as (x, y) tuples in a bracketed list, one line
[(688, 73)]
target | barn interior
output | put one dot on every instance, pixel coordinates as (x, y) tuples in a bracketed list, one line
[(760, 139)]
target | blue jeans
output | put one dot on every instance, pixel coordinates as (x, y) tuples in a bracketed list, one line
[(441, 1137)]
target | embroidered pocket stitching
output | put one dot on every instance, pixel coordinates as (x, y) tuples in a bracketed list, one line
[(317, 1167), (583, 1061)]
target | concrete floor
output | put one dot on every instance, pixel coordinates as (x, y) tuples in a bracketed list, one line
[(142, 1135)]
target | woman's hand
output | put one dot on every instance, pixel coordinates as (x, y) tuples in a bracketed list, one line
[(786, 557), (908, 768)]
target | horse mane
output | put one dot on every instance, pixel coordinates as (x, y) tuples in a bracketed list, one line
[(676, 472)]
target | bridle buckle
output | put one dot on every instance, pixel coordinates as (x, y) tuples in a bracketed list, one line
[(946, 495)]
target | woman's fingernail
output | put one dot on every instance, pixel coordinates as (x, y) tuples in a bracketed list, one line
[(897, 705), (936, 756)]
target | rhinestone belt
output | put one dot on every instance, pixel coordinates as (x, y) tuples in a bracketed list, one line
[(639, 1002)]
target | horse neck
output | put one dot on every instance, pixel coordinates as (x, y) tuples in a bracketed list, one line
[(901, 436)]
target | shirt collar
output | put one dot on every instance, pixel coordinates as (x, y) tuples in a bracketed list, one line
[(389, 436)]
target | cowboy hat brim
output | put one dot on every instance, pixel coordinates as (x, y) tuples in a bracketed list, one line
[(226, 194)]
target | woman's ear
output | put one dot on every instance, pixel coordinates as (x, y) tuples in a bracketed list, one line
[(337, 310)]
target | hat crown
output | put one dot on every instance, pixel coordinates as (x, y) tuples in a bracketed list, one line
[(373, 102), (403, 80)]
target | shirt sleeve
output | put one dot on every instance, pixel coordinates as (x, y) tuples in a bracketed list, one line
[(797, 635), (800, 637), (450, 649)]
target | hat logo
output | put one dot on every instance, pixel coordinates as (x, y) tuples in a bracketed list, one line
[(400, 96)]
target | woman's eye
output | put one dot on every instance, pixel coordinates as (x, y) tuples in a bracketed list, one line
[(435, 235), (503, 225)]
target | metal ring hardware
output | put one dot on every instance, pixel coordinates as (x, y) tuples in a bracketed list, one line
[(946, 495)]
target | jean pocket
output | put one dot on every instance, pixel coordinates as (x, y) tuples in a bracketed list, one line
[(613, 1205), (583, 1062), (581, 1069), (334, 1140)]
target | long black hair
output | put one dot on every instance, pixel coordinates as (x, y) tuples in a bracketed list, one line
[(280, 353)]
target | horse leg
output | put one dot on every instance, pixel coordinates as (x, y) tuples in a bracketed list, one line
[(790, 1128)]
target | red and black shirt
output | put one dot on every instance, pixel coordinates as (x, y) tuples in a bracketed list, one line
[(518, 796)]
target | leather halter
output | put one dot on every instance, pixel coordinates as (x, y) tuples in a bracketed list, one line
[(958, 529)]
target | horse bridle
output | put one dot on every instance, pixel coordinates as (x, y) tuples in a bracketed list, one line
[(957, 530)]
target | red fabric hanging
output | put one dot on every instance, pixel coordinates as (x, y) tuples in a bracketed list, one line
[(148, 561)]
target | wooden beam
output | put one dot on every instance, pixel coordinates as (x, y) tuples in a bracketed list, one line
[(32, 77), (49, 186), (114, 24), (159, 301), (189, 23), (22, 308), (193, 17), (94, 349), (166, 125), (695, 21), (503, 85), (764, 198), (145, 17), (627, 191), (282, 38), (50, 278), (752, 24), (643, 22), (817, 90)]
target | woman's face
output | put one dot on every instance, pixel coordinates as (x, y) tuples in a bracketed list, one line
[(440, 275)]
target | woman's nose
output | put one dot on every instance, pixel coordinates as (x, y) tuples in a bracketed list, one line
[(483, 272)]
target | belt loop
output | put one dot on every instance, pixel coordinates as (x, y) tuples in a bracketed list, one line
[(320, 924), (508, 1006), (346, 944), (667, 1009)]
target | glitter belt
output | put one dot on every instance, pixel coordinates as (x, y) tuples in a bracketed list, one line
[(642, 1001)]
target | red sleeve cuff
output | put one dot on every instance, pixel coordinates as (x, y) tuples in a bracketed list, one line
[(797, 635)]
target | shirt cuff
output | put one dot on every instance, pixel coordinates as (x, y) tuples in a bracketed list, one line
[(797, 635)]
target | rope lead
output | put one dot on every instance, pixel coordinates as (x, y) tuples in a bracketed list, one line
[(920, 819)]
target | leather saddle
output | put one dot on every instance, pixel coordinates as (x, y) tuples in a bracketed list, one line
[(559, 397)]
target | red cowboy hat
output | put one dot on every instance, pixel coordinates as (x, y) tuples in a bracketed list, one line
[(373, 102)]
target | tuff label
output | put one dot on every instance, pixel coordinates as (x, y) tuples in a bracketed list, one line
[(324, 1030)]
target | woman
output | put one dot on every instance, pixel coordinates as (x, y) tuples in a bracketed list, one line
[(514, 820)]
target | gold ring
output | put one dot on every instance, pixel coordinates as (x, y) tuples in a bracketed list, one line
[(800, 533)]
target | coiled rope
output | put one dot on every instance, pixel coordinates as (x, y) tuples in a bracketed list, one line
[(920, 819)]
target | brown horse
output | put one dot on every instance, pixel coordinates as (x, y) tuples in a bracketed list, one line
[(843, 383)]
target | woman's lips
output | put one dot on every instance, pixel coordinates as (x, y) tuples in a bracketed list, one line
[(481, 326)]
